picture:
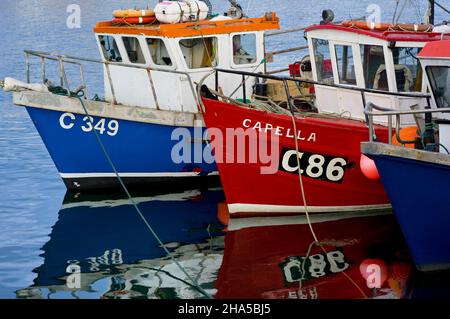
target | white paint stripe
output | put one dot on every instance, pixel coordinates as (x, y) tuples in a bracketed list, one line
[(267, 209), (99, 175), (241, 223)]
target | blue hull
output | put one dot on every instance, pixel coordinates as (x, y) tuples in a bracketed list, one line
[(420, 196), (141, 152)]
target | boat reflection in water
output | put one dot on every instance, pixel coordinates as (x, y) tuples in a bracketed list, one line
[(100, 248), (117, 256), (280, 260)]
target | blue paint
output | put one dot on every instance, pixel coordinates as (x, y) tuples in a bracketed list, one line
[(137, 147), (420, 196), (101, 236)]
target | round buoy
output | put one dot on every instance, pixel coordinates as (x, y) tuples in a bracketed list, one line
[(133, 13), (368, 168), (374, 271), (223, 214)]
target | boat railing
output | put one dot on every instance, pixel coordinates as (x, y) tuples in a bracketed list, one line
[(299, 81), (372, 110), (78, 61), (270, 55)]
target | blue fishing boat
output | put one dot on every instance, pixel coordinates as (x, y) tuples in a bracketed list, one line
[(417, 176), (147, 128)]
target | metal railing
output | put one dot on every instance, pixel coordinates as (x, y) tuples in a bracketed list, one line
[(258, 76), (269, 55), (64, 82), (390, 113)]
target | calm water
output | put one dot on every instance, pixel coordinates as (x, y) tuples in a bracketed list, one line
[(44, 232)]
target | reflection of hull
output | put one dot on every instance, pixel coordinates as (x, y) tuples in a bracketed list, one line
[(418, 184), (267, 262), (140, 151), (336, 185), (101, 234)]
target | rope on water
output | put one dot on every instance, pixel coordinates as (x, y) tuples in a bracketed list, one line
[(133, 202)]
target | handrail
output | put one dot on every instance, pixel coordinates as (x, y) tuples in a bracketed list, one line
[(74, 60), (340, 86), (383, 111)]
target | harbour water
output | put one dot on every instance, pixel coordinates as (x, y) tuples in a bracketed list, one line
[(48, 235)]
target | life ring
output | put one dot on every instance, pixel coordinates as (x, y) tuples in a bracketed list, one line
[(134, 20), (132, 13), (387, 26)]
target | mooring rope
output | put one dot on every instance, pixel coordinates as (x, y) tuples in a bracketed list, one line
[(132, 201)]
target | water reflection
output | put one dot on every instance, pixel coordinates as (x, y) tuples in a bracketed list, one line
[(118, 258), (280, 260), (100, 248)]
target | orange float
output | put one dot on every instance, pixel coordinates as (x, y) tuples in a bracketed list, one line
[(133, 13), (365, 25), (408, 133)]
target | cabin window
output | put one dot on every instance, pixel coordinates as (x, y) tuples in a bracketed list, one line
[(134, 50), (158, 52), (244, 48), (200, 52), (345, 64), (439, 77), (374, 67), (322, 58), (408, 72), (110, 49)]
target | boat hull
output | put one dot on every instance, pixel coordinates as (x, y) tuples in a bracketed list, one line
[(249, 192), (141, 152), (425, 223)]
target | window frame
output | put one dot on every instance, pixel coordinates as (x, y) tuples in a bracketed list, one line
[(118, 43), (408, 45), (357, 63), (184, 60), (258, 50), (169, 51), (140, 44), (429, 78)]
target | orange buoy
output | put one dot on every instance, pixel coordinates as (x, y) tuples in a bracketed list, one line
[(408, 133), (223, 214), (365, 25), (368, 168), (132, 13)]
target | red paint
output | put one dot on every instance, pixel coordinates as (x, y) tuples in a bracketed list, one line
[(134, 20), (385, 35), (252, 265), (440, 49), (244, 183)]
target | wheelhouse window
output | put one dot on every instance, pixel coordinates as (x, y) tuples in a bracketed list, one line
[(110, 49), (439, 77), (244, 48), (408, 72), (322, 58), (158, 52), (345, 64), (134, 50), (200, 52), (374, 67)]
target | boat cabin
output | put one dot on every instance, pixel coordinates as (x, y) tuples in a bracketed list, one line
[(352, 55), (147, 62)]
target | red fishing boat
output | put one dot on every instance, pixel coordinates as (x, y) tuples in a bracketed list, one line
[(318, 163)]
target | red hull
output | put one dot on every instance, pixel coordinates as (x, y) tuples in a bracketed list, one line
[(249, 192), (263, 262)]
